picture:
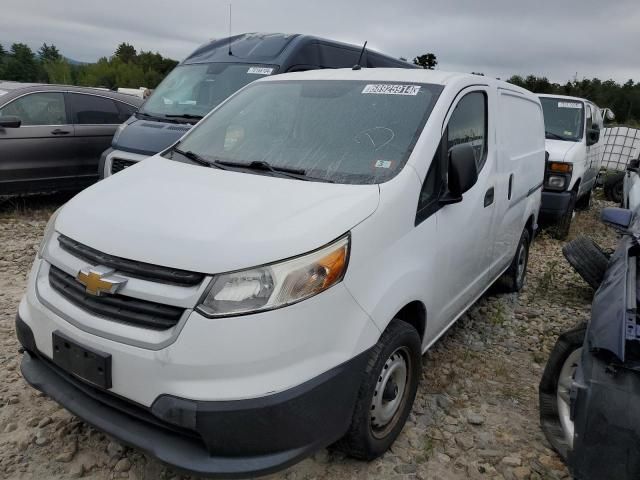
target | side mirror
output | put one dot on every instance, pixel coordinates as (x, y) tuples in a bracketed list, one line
[(633, 165), (618, 218), (593, 135), (9, 121), (462, 174)]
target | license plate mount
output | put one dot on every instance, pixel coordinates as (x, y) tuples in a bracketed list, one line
[(88, 364)]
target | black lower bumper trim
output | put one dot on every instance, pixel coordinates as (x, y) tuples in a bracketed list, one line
[(241, 438), (554, 205)]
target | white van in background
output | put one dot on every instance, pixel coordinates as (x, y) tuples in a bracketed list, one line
[(267, 286), (574, 147)]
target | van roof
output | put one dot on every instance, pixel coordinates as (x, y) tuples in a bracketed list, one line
[(268, 48), (437, 77), (564, 97)]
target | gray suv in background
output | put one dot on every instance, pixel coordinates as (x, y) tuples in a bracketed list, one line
[(51, 136)]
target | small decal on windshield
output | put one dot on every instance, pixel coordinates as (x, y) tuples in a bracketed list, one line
[(569, 105), (388, 89), (260, 71), (3, 92), (383, 163)]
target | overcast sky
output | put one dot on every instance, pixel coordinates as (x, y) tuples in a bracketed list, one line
[(557, 39)]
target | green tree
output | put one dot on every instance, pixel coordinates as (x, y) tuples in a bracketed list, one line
[(125, 53), (49, 53), (3, 54), (21, 66), (58, 71), (428, 61)]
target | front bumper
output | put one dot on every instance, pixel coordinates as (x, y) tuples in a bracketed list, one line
[(236, 438), (554, 205)]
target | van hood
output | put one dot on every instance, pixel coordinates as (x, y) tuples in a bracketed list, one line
[(148, 137), (208, 220), (558, 149)]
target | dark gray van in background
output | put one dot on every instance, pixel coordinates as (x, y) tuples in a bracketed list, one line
[(215, 71)]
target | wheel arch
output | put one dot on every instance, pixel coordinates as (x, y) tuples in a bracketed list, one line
[(530, 226), (415, 314)]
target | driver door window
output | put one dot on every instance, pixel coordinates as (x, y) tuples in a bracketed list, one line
[(43, 108), (468, 124)]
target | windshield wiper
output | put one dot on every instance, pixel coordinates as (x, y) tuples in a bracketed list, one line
[(157, 118), (194, 157), (297, 173), (188, 116), (554, 136)]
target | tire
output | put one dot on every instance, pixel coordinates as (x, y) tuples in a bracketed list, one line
[(614, 187), (588, 259), (513, 279), (562, 226), (584, 202), (564, 357), (367, 437)]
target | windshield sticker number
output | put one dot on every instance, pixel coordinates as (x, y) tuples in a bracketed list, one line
[(387, 89), (260, 71), (569, 105), (3, 92), (383, 163)]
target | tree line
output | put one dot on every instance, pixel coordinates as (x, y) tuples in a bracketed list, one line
[(130, 68), (125, 68), (622, 99)]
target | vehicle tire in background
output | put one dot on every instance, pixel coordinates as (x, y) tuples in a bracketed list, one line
[(561, 229), (386, 394), (588, 259), (614, 186), (584, 202), (553, 393), (513, 279)]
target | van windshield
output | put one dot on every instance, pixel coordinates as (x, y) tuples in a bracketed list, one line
[(336, 131), (563, 118), (194, 90)]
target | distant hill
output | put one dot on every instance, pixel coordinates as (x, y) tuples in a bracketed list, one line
[(75, 62)]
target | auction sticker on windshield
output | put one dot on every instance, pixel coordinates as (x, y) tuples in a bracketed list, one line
[(389, 89), (569, 105), (3, 92), (260, 71)]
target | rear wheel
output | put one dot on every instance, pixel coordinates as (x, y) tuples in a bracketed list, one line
[(555, 389), (562, 227), (386, 394), (513, 279)]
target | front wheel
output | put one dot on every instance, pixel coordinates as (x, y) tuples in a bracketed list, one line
[(386, 393), (561, 230), (555, 390)]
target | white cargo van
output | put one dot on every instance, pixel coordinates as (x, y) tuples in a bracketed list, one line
[(267, 286), (574, 147)]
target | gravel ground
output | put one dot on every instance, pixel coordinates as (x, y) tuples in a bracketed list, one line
[(475, 415)]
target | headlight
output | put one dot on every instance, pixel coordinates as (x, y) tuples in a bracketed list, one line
[(555, 182), (278, 284), (48, 232)]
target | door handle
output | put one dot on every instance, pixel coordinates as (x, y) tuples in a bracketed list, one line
[(59, 131), (488, 197), (510, 186)]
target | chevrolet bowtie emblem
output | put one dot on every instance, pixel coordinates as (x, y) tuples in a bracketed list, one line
[(100, 280)]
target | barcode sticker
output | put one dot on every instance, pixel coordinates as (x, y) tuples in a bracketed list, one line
[(569, 105), (389, 89), (260, 71)]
